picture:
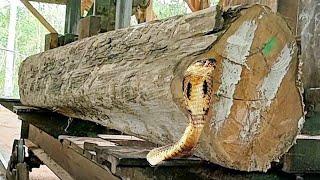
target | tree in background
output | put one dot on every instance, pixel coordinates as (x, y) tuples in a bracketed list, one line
[(29, 36), (168, 8), (8, 83)]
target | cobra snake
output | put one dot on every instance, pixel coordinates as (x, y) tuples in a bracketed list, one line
[(197, 92)]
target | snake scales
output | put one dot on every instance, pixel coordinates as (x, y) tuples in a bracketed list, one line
[(197, 91)]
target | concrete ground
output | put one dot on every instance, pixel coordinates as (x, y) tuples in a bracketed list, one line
[(10, 130)]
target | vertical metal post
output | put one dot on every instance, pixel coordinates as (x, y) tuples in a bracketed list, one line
[(123, 13), (73, 13)]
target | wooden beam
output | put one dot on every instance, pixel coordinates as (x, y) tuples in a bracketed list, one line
[(36, 14), (78, 166), (51, 41), (62, 2)]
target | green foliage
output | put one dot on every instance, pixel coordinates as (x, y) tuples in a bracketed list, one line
[(165, 9), (30, 35), (4, 23)]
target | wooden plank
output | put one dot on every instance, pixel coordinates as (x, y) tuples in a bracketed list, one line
[(125, 140), (28, 109), (133, 156), (41, 19), (79, 141), (62, 2), (78, 166), (119, 137)]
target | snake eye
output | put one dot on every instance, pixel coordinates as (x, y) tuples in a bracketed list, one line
[(189, 86), (206, 111), (183, 81), (205, 87)]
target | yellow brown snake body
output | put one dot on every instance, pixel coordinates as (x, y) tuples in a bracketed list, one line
[(197, 91)]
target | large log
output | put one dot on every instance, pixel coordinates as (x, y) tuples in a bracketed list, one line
[(131, 80)]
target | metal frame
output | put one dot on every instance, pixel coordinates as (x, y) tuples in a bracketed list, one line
[(76, 155)]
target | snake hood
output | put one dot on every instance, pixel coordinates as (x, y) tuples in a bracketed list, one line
[(197, 92)]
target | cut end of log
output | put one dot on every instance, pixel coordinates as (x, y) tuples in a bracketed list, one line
[(258, 108)]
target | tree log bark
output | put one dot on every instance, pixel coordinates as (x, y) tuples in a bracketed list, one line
[(131, 80)]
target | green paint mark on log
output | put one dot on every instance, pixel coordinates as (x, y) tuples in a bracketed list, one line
[(269, 46)]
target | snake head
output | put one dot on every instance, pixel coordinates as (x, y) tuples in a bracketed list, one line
[(206, 63), (197, 84)]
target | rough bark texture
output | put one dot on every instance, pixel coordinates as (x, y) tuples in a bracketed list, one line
[(131, 80)]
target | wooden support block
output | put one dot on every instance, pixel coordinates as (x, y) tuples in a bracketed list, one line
[(51, 41), (61, 40), (304, 157), (69, 38), (89, 26)]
